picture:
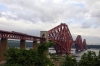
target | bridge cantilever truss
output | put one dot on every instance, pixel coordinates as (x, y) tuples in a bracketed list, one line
[(78, 43), (84, 44), (62, 37)]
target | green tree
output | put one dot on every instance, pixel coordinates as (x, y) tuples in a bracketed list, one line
[(22, 57), (19, 57), (42, 59), (89, 59), (69, 61), (97, 60)]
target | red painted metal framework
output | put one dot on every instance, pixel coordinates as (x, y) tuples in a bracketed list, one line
[(62, 37), (84, 44), (78, 43), (21, 36)]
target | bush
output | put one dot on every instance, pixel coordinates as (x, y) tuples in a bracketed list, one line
[(87, 59), (38, 57), (69, 61), (90, 59), (22, 57)]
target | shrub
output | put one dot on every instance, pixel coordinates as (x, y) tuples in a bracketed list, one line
[(22, 57), (90, 59), (69, 61)]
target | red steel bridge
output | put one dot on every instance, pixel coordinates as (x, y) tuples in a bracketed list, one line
[(62, 37), (5, 35)]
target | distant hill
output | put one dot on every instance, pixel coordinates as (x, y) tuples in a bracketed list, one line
[(94, 46), (89, 46), (13, 43)]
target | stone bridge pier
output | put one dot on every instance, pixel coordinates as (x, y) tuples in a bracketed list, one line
[(5, 35), (3, 48)]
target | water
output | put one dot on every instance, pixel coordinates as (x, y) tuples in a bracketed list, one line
[(78, 54), (14, 43)]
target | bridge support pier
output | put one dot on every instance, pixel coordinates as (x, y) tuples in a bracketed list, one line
[(0, 51), (3, 48), (22, 44), (35, 46)]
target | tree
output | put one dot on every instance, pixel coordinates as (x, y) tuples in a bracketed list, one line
[(22, 57), (69, 61), (97, 60), (89, 59), (42, 59)]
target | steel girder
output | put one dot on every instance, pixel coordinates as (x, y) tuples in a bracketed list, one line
[(18, 35), (78, 43), (62, 37), (84, 44)]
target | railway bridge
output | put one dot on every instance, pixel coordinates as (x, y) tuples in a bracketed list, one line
[(5, 35), (62, 37)]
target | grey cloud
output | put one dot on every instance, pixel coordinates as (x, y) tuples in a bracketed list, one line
[(91, 40), (95, 9), (86, 24), (0, 14), (97, 23), (45, 12), (49, 11)]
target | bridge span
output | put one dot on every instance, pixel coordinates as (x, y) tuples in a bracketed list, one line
[(5, 35), (62, 37)]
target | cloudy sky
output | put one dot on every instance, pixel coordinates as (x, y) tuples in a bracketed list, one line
[(33, 16)]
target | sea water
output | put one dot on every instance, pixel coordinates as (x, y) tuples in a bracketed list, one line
[(77, 54)]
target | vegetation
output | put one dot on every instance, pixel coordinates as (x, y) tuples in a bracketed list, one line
[(56, 57), (69, 61), (38, 57), (87, 59), (90, 59), (22, 57)]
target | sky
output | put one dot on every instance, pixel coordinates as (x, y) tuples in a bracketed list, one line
[(33, 16)]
